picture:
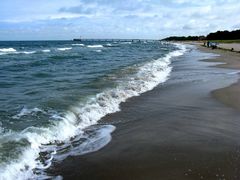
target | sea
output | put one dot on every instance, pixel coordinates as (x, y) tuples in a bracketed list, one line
[(53, 95)]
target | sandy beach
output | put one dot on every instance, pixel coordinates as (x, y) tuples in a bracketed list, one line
[(176, 131)]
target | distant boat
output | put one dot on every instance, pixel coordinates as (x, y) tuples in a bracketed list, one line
[(77, 39)]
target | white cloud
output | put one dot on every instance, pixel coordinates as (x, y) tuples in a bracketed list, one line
[(115, 18)]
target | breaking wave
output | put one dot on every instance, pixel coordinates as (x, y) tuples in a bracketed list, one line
[(95, 46), (126, 42), (7, 50), (64, 49), (46, 50), (4, 51), (78, 45), (28, 52)]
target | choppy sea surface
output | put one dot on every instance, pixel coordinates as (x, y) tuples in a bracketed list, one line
[(53, 94)]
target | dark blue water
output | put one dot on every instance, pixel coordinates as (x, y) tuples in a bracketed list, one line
[(50, 91)]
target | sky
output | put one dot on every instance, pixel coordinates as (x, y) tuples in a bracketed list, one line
[(126, 19)]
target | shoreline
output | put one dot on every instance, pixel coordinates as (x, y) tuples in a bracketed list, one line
[(176, 130), (228, 95)]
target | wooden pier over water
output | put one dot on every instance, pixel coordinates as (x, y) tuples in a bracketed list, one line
[(119, 40)]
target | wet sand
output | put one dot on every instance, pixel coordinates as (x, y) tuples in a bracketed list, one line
[(229, 59), (176, 131), (228, 95)]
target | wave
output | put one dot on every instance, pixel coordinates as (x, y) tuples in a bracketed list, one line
[(78, 45), (70, 134), (64, 49), (27, 52), (234, 72), (109, 44), (99, 50), (7, 50), (46, 50), (4, 51), (95, 46), (126, 42)]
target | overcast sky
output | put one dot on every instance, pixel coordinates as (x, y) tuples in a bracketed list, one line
[(152, 19)]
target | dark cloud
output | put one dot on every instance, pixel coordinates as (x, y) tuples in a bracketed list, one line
[(236, 26), (78, 10), (187, 27), (131, 16), (114, 6)]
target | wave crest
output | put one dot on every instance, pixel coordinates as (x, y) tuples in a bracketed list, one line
[(78, 45), (95, 46), (7, 50), (64, 49)]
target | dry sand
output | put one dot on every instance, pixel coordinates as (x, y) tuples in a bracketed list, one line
[(229, 46), (222, 46)]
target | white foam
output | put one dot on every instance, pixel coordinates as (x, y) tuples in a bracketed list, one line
[(46, 50), (64, 49), (78, 45), (99, 50), (79, 117), (4, 51), (28, 52), (93, 142), (126, 43), (95, 46), (109, 44), (234, 72), (7, 50)]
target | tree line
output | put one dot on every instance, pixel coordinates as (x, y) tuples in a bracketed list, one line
[(219, 35)]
